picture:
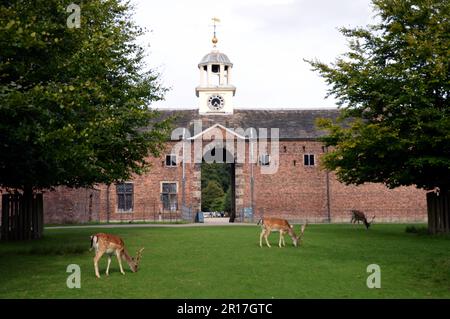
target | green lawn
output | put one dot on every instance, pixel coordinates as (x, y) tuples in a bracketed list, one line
[(226, 262)]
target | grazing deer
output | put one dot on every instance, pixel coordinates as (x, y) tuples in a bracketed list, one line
[(358, 216), (112, 244), (269, 225)]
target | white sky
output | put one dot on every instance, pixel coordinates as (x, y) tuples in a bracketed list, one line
[(266, 40)]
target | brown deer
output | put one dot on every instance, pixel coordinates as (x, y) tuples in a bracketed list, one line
[(358, 216), (112, 244), (269, 225)]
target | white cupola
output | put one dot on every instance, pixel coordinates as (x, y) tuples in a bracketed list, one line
[(215, 91)]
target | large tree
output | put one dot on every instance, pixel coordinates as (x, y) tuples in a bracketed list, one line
[(212, 197), (219, 172), (393, 87), (74, 102)]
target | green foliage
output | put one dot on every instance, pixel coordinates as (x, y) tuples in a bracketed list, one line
[(212, 197), (73, 102), (393, 87), (218, 172)]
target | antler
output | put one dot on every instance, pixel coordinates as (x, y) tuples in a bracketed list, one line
[(302, 231), (139, 256)]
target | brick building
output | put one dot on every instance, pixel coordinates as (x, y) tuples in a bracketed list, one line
[(274, 163)]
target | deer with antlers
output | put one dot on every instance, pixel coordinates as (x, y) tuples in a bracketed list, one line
[(358, 216), (269, 225), (112, 244)]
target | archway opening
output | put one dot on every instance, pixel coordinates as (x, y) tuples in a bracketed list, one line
[(218, 186)]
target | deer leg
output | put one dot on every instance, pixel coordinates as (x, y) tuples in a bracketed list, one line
[(107, 267), (118, 253), (265, 237), (97, 257), (260, 237), (279, 241)]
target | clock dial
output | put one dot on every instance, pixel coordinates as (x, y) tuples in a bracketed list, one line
[(216, 102)]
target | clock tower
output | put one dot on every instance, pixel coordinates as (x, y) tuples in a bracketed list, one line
[(215, 91)]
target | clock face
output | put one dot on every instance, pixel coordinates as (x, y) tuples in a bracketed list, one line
[(216, 102)]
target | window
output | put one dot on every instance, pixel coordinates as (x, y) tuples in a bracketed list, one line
[(171, 160), (169, 196), (264, 160), (309, 159), (124, 197)]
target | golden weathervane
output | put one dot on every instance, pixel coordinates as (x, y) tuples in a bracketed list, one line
[(214, 39)]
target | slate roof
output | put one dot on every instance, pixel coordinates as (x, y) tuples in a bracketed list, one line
[(292, 124)]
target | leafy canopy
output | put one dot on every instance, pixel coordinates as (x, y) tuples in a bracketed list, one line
[(393, 87), (212, 197), (219, 174), (74, 102)]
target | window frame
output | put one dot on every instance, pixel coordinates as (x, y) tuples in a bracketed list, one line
[(172, 163), (162, 193), (124, 194), (307, 160)]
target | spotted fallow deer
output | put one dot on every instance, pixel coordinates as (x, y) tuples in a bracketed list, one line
[(358, 216), (269, 225), (112, 244)]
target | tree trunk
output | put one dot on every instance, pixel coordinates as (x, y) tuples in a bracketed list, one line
[(22, 216), (438, 206)]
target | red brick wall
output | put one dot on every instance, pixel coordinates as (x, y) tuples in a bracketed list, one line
[(147, 192), (67, 205), (299, 192), (388, 205), (295, 192)]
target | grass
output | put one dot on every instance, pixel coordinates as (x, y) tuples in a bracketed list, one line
[(226, 262)]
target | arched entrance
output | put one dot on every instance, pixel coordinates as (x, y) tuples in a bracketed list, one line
[(218, 184)]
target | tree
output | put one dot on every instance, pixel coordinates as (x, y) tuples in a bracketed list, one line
[(213, 197), (218, 172), (392, 88), (74, 102)]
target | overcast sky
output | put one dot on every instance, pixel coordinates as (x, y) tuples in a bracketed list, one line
[(266, 40)]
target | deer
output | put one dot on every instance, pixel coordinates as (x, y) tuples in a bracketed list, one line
[(358, 216), (112, 244), (269, 225)]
